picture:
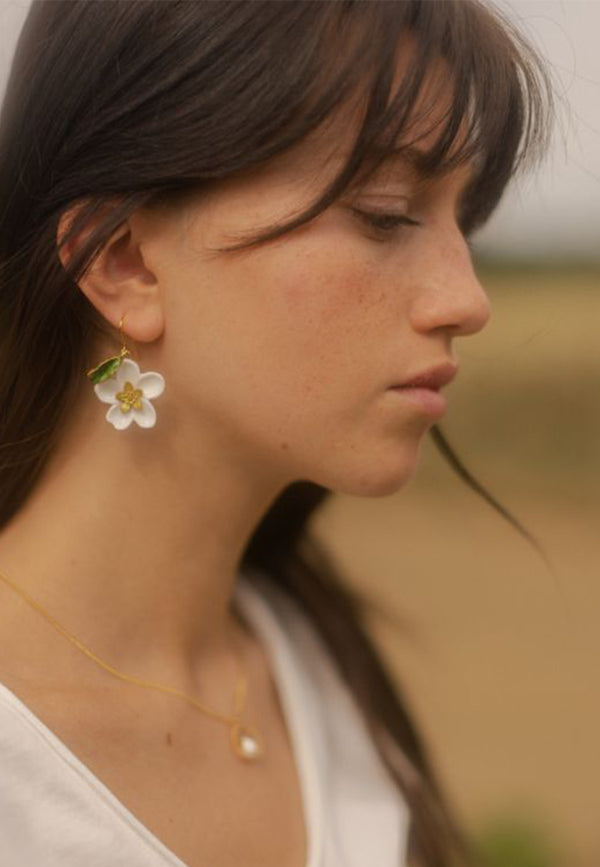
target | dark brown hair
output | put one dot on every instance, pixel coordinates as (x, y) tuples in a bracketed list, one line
[(141, 102)]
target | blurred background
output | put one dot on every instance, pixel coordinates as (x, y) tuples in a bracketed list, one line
[(498, 652)]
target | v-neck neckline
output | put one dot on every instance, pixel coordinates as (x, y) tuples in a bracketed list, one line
[(289, 684)]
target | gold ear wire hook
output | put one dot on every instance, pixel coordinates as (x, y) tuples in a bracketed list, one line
[(124, 349)]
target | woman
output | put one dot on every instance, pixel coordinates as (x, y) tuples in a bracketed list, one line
[(234, 259)]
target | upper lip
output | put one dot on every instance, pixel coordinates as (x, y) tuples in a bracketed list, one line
[(433, 377)]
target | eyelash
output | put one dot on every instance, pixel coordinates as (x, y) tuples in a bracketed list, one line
[(375, 218), (372, 218)]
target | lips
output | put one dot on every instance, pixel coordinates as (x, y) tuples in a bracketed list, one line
[(432, 378)]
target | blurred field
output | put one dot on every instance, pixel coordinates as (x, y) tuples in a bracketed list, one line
[(498, 655)]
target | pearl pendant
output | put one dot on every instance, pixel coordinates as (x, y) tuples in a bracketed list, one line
[(246, 742)]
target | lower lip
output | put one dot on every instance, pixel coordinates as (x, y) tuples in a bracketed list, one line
[(431, 402)]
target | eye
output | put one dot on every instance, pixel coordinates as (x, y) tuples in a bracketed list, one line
[(383, 221)]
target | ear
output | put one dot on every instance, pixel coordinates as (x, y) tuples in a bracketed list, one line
[(119, 282)]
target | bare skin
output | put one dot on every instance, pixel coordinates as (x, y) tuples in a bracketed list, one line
[(278, 363)]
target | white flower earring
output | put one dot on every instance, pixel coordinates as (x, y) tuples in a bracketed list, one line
[(118, 381)]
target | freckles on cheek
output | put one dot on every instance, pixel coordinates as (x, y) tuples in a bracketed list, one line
[(327, 307), (322, 304)]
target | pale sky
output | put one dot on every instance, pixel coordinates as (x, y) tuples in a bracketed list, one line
[(556, 211)]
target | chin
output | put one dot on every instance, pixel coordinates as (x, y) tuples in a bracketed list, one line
[(380, 474)]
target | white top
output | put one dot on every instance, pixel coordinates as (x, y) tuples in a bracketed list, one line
[(54, 812)]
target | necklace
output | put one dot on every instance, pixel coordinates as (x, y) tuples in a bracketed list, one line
[(246, 741)]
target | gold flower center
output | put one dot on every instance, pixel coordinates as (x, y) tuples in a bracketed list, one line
[(129, 397)]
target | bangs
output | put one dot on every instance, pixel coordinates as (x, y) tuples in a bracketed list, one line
[(497, 95)]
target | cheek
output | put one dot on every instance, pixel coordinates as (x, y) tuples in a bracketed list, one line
[(285, 342), (321, 315)]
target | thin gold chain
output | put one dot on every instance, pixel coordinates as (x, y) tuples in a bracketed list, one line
[(241, 683)]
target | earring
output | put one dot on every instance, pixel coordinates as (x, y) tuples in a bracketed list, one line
[(118, 381)]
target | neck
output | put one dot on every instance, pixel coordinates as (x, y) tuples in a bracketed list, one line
[(132, 541)]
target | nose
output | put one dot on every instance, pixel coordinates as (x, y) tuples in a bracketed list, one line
[(448, 294)]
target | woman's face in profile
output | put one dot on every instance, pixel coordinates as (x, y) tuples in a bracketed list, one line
[(287, 352)]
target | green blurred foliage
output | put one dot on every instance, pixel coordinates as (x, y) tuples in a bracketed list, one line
[(512, 841)]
